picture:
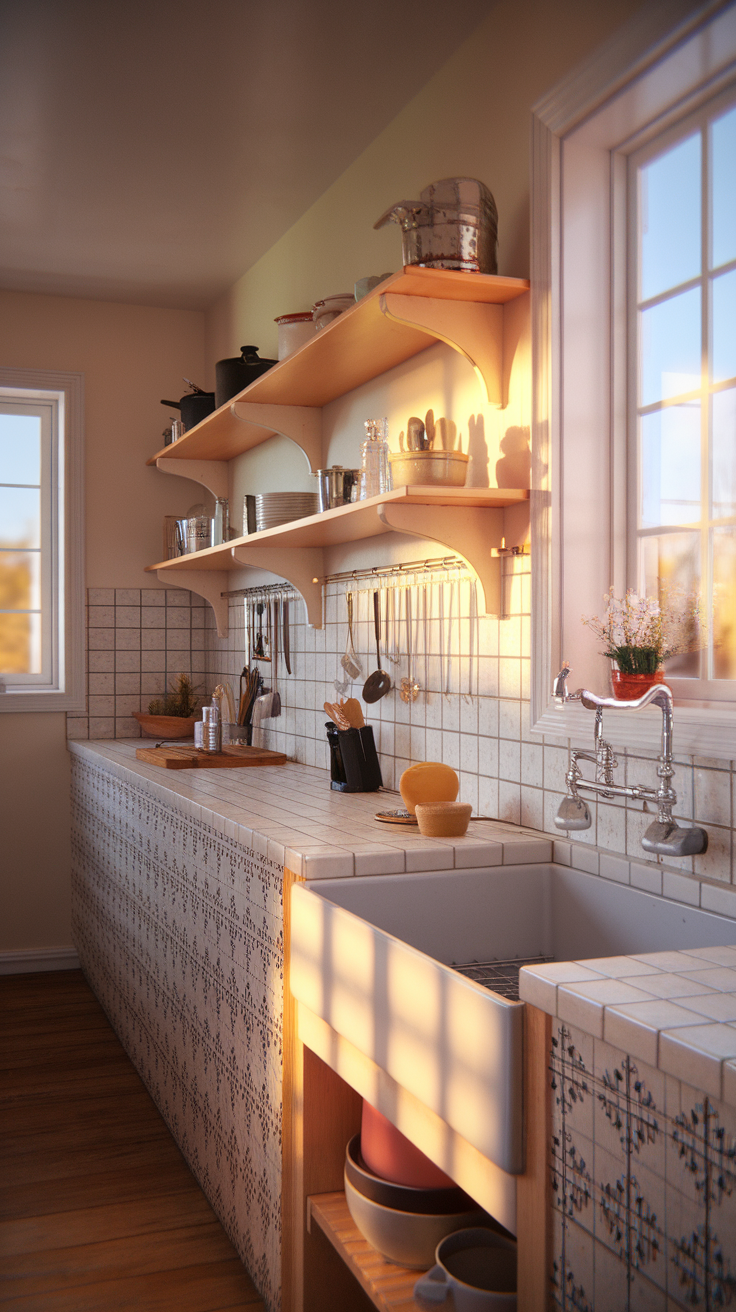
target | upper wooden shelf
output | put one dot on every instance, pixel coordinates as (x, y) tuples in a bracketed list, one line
[(376, 334)]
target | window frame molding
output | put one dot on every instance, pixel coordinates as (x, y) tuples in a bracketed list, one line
[(666, 61), (70, 664)]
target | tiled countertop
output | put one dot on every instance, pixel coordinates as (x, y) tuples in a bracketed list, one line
[(673, 1010), (290, 815)]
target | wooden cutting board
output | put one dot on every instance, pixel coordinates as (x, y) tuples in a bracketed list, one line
[(189, 758)]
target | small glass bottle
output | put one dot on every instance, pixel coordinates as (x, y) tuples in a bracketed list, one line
[(222, 522), (375, 474), (212, 732)]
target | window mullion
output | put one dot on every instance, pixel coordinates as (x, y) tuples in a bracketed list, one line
[(706, 534)]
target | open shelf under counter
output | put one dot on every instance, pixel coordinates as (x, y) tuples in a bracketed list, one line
[(389, 1287), (396, 321), (471, 522)]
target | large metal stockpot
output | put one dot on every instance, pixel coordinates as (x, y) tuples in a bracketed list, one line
[(453, 225)]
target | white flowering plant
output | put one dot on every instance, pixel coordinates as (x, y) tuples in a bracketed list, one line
[(641, 632)]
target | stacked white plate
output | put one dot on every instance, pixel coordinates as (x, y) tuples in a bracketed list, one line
[(275, 508)]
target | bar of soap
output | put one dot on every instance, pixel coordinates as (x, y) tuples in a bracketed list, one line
[(431, 781)]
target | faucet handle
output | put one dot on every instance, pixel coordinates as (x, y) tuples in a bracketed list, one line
[(559, 687)]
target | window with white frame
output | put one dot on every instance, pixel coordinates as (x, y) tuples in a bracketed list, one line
[(634, 361), (682, 534), (41, 561)]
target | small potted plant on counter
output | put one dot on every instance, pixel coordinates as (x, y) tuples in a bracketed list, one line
[(174, 714), (641, 633)]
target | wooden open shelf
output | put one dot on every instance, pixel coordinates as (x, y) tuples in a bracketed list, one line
[(470, 522), (398, 319), (389, 1287)]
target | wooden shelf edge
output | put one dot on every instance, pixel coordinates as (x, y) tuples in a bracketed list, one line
[(491, 498), (389, 1287), (435, 284)]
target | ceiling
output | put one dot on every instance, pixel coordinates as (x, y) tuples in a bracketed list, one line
[(152, 151)]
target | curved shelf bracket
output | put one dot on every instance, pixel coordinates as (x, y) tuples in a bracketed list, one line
[(469, 532), (212, 474), (301, 423), (474, 329), (302, 567), (207, 583)]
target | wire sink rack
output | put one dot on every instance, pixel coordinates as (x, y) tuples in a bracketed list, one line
[(500, 976)]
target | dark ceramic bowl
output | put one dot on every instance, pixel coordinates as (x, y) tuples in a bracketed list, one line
[(404, 1198)]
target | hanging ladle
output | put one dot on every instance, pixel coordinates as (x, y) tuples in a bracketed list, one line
[(379, 682)]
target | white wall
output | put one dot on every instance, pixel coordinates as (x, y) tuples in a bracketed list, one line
[(130, 356)]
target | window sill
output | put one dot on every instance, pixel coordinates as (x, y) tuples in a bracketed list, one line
[(52, 701), (697, 732)]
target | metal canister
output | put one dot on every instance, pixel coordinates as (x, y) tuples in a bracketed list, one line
[(335, 486), (454, 225)]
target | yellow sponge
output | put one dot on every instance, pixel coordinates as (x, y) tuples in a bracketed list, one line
[(429, 782)]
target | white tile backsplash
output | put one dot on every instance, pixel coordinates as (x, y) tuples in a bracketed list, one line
[(138, 639)]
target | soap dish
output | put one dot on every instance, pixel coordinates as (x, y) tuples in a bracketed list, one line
[(401, 817)]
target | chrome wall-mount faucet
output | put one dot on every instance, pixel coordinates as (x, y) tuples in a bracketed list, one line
[(664, 837)]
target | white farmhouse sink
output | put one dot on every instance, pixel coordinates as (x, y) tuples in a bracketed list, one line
[(373, 958)]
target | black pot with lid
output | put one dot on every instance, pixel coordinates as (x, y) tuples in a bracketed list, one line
[(234, 374), (194, 407)]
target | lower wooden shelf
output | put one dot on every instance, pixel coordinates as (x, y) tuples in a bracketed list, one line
[(389, 1287)]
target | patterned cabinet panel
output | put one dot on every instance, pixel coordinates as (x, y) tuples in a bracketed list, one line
[(180, 932), (643, 1185)]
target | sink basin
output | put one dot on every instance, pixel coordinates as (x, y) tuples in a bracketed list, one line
[(374, 957)]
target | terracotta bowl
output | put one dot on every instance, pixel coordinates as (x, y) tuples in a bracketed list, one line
[(387, 1153), (443, 1199), (166, 726), (443, 819)]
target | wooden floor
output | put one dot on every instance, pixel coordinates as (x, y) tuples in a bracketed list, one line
[(98, 1209)]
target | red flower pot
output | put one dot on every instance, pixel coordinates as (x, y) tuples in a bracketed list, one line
[(627, 687)]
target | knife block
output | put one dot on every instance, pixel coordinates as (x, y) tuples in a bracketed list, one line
[(354, 765)]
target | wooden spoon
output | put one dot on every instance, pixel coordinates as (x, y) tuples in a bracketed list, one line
[(352, 713)]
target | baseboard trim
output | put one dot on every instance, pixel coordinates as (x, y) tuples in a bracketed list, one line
[(27, 960)]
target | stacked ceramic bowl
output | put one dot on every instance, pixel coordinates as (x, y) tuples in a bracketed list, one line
[(275, 508), (404, 1222)]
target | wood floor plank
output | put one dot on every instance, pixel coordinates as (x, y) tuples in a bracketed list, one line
[(75, 1192), (87, 1084), (82, 1264), (99, 1211), (22, 1051), (210, 1287), (112, 1109), (32, 1234), (39, 1167), (93, 1134)]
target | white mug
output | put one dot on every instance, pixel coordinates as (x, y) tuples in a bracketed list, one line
[(478, 1266)]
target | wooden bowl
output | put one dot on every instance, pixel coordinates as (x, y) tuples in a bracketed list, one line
[(443, 819), (166, 726)]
